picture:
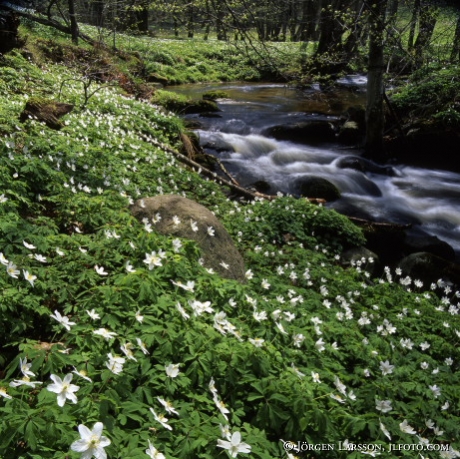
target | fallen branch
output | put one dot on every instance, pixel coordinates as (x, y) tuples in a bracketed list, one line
[(378, 225), (206, 172), (222, 167), (192, 150)]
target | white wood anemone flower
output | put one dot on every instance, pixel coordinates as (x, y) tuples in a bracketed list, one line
[(91, 443), (63, 320), (235, 445), (153, 452), (63, 389)]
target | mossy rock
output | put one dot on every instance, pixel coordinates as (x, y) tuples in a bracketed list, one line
[(47, 111), (201, 106), (218, 251), (155, 78), (350, 133), (317, 187), (183, 105), (214, 95)]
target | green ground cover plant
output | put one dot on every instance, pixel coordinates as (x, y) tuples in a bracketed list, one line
[(433, 94), (197, 60), (115, 341)]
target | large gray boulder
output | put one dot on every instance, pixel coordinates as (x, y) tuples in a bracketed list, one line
[(218, 251), (430, 244), (429, 268)]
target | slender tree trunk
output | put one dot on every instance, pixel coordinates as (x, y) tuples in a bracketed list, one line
[(392, 17), (326, 28), (392, 34), (428, 17), (350, 46), (218, 11), (413, 24), (73, 22), (208, 20), (455, 53), (143, 17), (176, 26), (97, 13), (374, 107)]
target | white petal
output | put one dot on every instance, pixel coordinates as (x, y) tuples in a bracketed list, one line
[(98, 428), (55, 388), (100, 453), (104, 441), (73, 388), (56, 379), (88, 454), (236, 438), (61, 399), (85, 433), (80, 445), (224, 444)]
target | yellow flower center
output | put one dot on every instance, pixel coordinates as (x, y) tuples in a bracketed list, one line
[(94, 441)]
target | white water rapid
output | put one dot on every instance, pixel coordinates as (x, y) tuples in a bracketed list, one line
[(428, 199)]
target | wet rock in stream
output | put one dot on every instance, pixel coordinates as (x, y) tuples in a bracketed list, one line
[(304, 132)]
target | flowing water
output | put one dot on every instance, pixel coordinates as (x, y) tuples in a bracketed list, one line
[(428, 199)]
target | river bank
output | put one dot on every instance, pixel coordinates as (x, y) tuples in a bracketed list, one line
[(279, 138)]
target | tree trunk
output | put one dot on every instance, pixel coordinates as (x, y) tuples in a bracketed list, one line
[(374, 108), (73, 22), (413, 24), (350, 46), (331, 27), (219, 15), (308, 24), (9, 24), (208, 20), (190, 19), (97, 13), (455, 53), (393, 35), (143, 17), (327, 29), (428, 17)]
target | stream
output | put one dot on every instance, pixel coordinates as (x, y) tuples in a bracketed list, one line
[(237, 135)]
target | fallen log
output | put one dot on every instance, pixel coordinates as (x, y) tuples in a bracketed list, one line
[(380, 225), (213, 175)]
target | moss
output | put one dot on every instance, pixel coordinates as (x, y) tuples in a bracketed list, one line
[(214, 95), (181, 104), (48, 111)]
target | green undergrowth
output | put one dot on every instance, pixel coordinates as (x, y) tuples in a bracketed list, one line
[(198, 60), (173, 61), (433, 94), (165, 352)]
